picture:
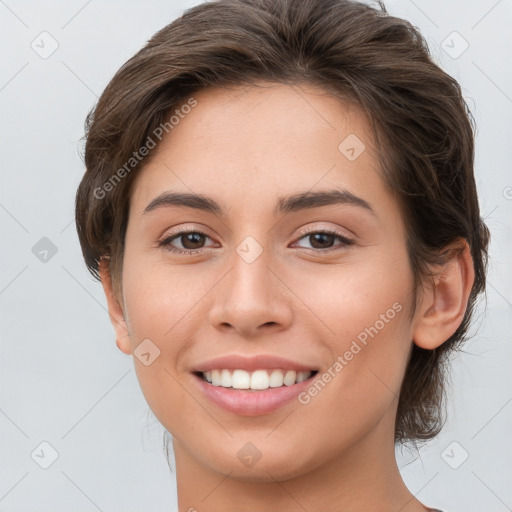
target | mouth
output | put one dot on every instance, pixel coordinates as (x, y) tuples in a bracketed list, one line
[(257, 380), (252, 393), (255, 384)]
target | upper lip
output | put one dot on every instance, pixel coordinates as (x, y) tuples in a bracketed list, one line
[(251, 363)]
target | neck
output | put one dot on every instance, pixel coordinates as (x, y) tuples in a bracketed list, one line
[(365, 476)]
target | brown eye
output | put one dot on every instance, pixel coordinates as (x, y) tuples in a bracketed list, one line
[(323, 241), (191, 242)]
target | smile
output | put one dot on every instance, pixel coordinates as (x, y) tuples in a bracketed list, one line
[(256, 380), (268, 390)]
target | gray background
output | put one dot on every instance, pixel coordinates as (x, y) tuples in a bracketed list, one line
[(63, 380)]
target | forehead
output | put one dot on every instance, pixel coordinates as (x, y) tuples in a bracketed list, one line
[(261, 141)]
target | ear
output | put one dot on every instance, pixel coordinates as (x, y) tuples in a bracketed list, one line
[(444, 303), (114, 309)]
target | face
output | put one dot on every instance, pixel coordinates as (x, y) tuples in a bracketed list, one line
[(311, 282)]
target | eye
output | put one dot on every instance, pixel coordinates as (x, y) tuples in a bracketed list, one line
[(323, 239), (191, 242)]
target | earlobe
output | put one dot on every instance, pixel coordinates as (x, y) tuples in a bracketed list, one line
[(114, 309), (123, 344), (444, 303)]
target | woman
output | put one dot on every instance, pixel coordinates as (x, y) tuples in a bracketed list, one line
[(280, 204)]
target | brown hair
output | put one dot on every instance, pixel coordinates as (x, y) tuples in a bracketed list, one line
[(422, 127)]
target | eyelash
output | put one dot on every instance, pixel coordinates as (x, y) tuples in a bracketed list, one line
[(166, 242)]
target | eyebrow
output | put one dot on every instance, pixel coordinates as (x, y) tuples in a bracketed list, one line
[(287, 204)]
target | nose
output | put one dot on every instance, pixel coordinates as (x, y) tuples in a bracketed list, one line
[(251, 300)]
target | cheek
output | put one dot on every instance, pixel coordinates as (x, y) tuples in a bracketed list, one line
[(158, 312), (160, 299), (360, 387), (159, 307), (363, 310), (358, 299)]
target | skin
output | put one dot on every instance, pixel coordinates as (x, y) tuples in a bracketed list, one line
[(245, 147)]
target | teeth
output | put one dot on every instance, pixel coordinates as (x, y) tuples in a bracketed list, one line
[(302, 376), (225, 379), (290, 378), (240, 379), (276, 379), (259, 379), (216, 377)]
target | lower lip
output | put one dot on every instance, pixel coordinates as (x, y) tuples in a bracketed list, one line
[(252, 403)]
